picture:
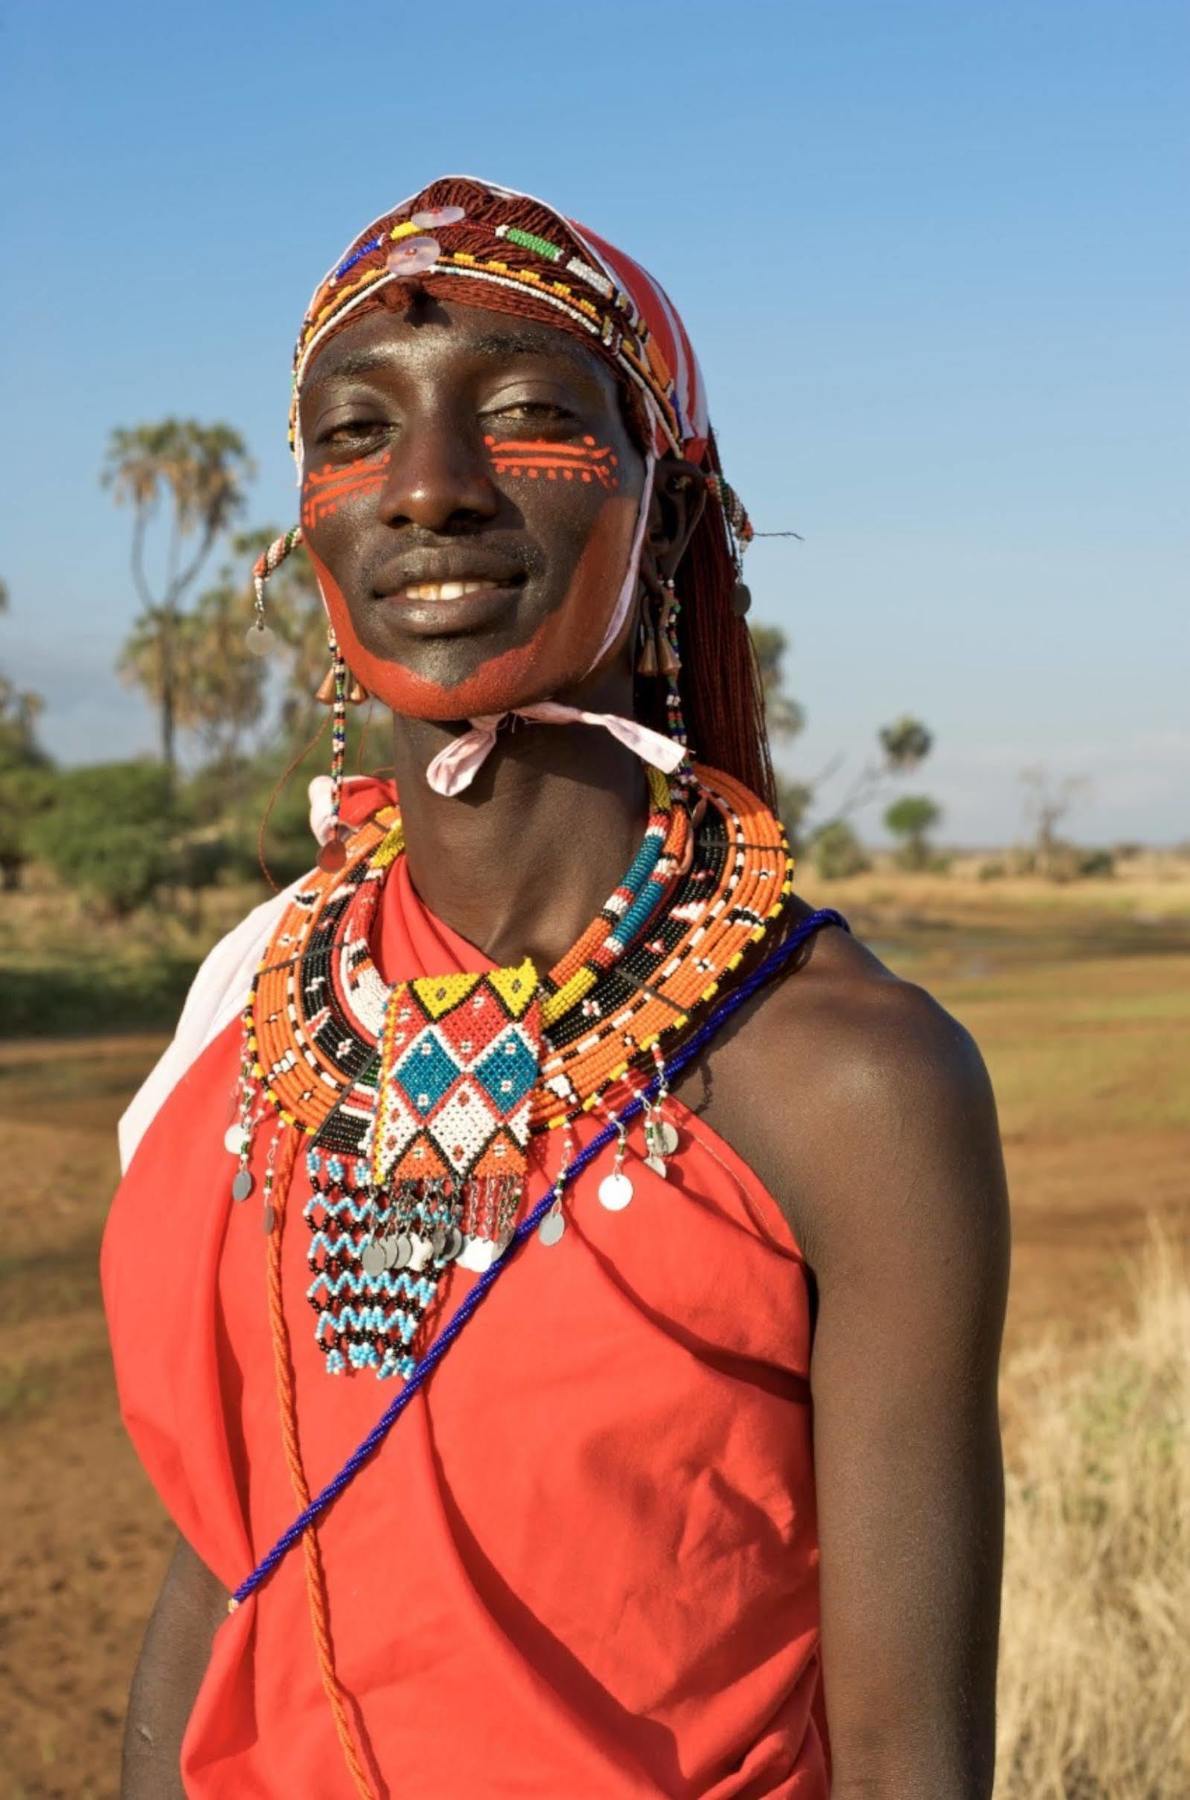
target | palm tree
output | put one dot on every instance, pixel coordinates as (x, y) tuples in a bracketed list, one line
[(201, 471)]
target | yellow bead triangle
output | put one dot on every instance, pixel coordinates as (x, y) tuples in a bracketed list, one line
[(439, 993), (516, 987)]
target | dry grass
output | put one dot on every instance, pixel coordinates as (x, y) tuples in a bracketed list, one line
[(1095, 1659)]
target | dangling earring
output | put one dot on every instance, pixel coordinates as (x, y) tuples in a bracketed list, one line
[(260, 637), (660, 655), (338, 689)]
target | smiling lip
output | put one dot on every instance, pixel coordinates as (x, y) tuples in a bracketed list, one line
[(450, 608), (435, 592)]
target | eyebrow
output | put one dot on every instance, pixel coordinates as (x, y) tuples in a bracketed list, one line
[(494, 344)]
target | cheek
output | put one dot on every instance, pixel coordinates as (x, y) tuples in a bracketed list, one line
[(325, 490), (559, 652), (587, 462)]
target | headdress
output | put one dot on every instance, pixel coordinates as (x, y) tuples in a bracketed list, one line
[(474, 242)]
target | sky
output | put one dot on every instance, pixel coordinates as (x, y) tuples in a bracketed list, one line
[(933, 257)]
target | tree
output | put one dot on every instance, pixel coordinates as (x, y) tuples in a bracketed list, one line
[(1047, 801), (200, 471), (911, 818), (785, 718)]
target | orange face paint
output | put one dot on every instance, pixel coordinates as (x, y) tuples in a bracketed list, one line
[(539, 460), (325, 489), (556, 654)]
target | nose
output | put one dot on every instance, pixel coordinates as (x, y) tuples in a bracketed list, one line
[(439, 476)]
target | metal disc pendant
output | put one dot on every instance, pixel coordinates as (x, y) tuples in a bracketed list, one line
[(615, 1191), (657, 1164), (404, 1251), (741, 599), (454, 1243), (551, 1227), (243, 1185), (233, 1139), (371, 1258), (389, 1246), (438, 1240), (668, 1137), (332, 856), (260, 640)]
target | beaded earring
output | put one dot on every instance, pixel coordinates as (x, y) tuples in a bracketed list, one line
[(260, 637), (659, 654), (334, 692), (742, 533)]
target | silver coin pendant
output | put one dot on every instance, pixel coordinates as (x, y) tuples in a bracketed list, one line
[(615, 1191), (551, 1227), (371, 1258)]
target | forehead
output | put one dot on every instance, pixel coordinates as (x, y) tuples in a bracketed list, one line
[(442, 335)]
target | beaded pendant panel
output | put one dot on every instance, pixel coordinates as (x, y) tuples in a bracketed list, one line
[(419, 1099)]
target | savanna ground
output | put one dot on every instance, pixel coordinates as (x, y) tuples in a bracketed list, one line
[(1080, 999)]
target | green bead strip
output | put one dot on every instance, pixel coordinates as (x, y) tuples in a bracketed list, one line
[(528, 241)]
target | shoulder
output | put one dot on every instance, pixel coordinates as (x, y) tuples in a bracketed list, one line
[(859, 1101), (216, 997)]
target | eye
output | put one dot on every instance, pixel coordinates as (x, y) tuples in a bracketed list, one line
[(352, 434), (539, 411)]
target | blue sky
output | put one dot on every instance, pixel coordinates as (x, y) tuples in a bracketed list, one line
[(933, 256)]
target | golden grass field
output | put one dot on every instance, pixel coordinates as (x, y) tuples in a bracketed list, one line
[(1080, 999)]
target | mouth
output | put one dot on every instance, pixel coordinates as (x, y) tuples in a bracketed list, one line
[(434, 592), (451, 607)]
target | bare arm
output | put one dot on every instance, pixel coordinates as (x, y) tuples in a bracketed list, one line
[(172, 1663), (867, 1112), (906, 1228)]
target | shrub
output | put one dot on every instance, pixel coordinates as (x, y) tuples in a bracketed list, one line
[(107, 830), (1094, 1657), (837, 852)]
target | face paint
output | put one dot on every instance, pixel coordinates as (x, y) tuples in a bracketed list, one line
[(559, 652), (587, 461), (323, 490)]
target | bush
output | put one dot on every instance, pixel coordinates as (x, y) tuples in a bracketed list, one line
[(1096, 862), (837, 852), (1094, 1658), (25, 795), (108, 832), (994, 870)]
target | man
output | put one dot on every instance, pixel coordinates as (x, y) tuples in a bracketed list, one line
[(704, 1498)]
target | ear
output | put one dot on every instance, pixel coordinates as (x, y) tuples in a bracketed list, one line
[(679, 495)]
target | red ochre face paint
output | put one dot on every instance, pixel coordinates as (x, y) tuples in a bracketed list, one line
[(324, 490), (556, 654), (586, 461)]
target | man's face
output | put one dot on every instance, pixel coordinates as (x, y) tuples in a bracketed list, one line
[(469, 498)]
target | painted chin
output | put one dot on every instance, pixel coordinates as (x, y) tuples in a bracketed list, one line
[(557, 654)]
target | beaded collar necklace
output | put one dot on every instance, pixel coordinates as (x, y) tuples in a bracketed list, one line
[(419, 1099)]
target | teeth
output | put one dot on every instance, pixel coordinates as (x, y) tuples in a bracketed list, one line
[(447, 590)]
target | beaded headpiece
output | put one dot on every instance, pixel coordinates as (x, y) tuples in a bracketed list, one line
[(466, 240), (493, 246)]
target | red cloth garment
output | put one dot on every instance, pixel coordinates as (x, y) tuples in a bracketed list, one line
[(583, 1564)]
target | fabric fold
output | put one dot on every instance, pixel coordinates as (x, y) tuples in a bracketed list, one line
[(454, 768)]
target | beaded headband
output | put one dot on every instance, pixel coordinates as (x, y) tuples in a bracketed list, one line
[(474, 234)]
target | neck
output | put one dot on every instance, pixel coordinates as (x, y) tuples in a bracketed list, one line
[(521, 861)]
